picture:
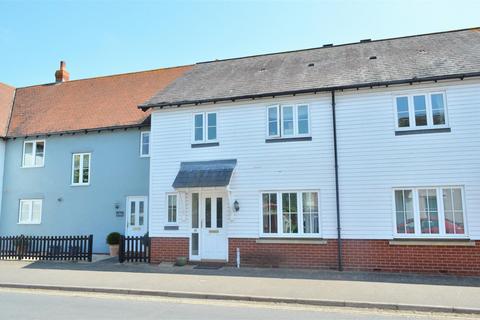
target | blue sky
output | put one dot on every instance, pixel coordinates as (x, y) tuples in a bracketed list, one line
[(108, 37)]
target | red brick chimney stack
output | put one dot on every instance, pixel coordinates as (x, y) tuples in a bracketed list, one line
[(62, 74)]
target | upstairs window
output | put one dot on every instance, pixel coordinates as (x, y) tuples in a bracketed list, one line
[(429, 212), (33, 154), (145, 144), (81, 169), (205, 127), (421, 111), (288, 121)]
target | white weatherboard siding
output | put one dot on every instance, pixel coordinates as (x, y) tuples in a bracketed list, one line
[(372, 160), (261, 166)]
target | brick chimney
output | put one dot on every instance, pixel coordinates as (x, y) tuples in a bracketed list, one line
[(62, 74)]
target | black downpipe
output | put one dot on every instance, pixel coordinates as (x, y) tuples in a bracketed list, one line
[(337, 193)]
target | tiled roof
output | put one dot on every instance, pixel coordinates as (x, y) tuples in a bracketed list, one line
[(6, 99), (95, 103), (365, 63)]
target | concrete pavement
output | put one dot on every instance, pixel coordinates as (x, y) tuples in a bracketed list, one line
[(306, 287)]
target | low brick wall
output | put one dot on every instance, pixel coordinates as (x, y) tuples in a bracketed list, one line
[(361, 255), (168, 249)]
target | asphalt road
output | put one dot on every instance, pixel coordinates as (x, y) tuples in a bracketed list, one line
[(52, 305)]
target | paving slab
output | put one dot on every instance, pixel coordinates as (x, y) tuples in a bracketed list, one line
[(303, 286)]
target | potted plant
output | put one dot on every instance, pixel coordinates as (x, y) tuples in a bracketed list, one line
[(113, 241), (181, 261)]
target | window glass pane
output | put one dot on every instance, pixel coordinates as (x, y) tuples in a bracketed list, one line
[(39, 152), (212, 126), (404, 211), (76, 168), (194, 210), (310, 212), (452, 204), (219, 213), (273, 121), (269, 201), (420, 110), (290, 214), (141, 213), (208, 212), (198, 127), (132, 213), (36, 211), (28, 160), (302, 119), (86, 168), (287, 114), (24, 215), (402, 112), (427, 200), (145, 143), (438, 109), (194, 244), (172, 208)]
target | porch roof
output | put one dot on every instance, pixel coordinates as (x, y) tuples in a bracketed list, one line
[(197, 174)]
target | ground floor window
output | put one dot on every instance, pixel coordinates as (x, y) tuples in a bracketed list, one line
[(290, 213), (30, 211), (429, 211)]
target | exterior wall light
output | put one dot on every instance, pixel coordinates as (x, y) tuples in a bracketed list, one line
[(236, 206)]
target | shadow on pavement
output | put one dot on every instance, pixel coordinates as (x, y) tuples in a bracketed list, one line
[(112, 265)]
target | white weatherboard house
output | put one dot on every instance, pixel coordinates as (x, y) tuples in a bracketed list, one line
[(358, 156)]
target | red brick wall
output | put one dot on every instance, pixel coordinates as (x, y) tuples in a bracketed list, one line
[(283, 255), (368, 255), (168, 249), (379, 255)]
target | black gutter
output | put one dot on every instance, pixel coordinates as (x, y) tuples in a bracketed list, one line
[(337, 191), (370, 85)]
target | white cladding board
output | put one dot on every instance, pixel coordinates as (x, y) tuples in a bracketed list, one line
[(372, 160), (260, 165)]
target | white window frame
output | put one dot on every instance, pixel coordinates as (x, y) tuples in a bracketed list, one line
[(82, 157), (142, 154), (280, 126), (280, 233), (205, 128), (30, 213), (168, 195), (34, 150), (411, 110), (441, 214)]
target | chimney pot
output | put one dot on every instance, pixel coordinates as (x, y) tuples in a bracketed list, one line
[(62, 74)]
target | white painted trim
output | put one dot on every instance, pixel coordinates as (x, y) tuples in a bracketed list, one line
[(205, 127), (267, 131), (146, 213), (167, 195), (82, 156), (34, 150), (142, 155)]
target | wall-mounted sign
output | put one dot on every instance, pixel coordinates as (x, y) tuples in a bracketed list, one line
[(119, 213)]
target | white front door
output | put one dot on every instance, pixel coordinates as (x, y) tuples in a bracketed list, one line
[(213, 237), (136, 216)]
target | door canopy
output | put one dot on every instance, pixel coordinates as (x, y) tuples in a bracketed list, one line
[(198, 174)]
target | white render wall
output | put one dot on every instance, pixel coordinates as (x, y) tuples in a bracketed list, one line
[(372, 160), (261, 166)]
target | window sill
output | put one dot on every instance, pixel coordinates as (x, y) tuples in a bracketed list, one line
[(145, 156), (273, 140), (421, 131), (29, 223), (205, 145), (80, 185), (291, 241), (170, 228), (32, 167), (432, 242)]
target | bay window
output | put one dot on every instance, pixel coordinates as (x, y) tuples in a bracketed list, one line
[(292, 213), (429, 212)]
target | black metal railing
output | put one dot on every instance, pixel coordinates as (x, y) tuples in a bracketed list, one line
[(134, 249), (72, 248)]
